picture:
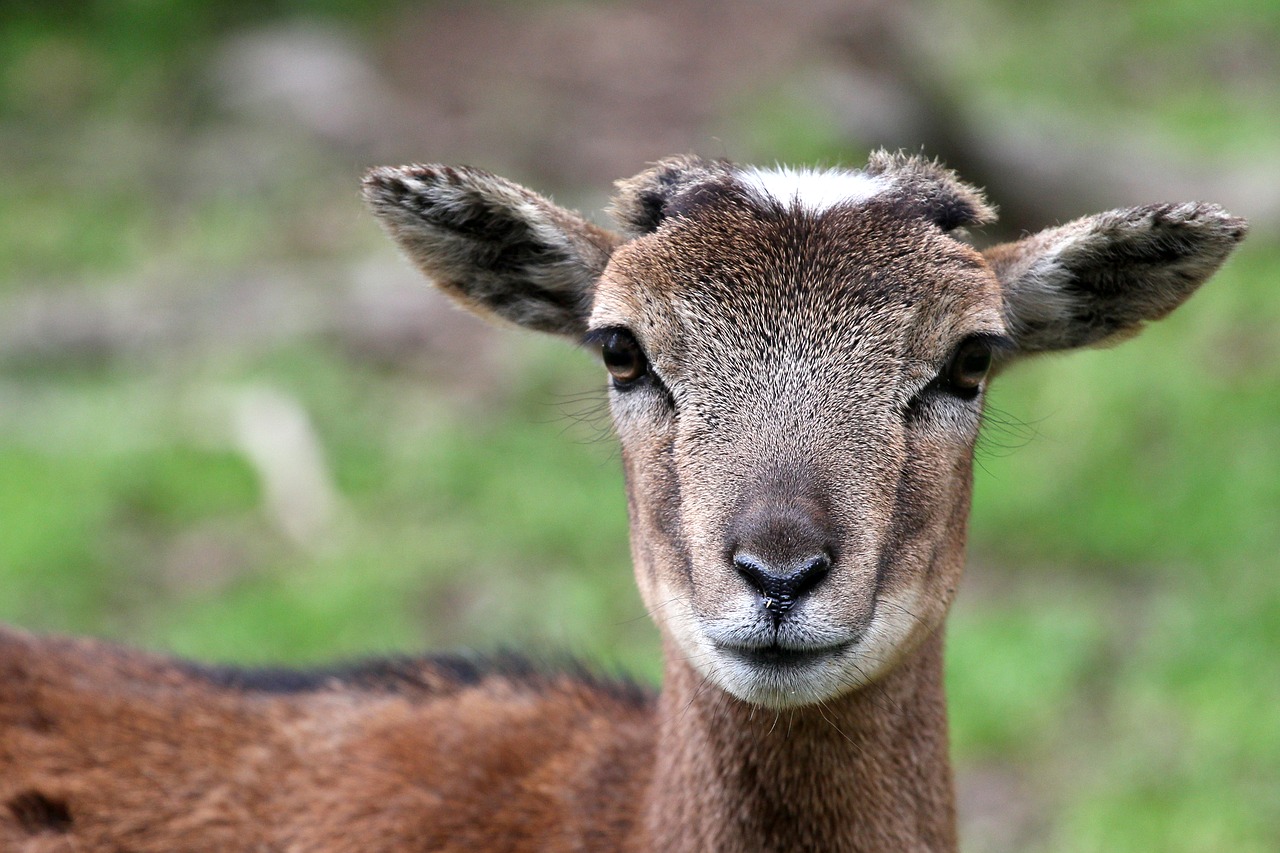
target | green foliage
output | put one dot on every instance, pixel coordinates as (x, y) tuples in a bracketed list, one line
[(1199, 69)]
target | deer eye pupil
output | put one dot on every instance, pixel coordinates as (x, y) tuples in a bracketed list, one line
[(969, 366), (623, 357)]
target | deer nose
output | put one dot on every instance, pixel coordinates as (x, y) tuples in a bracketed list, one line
[(781, 586), (781, 545)]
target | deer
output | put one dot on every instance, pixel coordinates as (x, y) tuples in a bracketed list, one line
[(797, 362)]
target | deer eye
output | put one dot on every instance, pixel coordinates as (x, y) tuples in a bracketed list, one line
[(968, 367), (623, 357)]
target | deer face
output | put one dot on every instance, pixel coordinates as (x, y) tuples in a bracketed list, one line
[(797, 393), (797, 366)]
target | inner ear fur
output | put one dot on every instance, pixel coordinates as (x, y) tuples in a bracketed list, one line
[(1099, 279), (497, 248)]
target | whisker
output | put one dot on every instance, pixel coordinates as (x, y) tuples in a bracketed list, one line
[(1003, 433), (588, 409), (831, 723)]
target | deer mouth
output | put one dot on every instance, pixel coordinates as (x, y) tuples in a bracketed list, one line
[(782, 676), (777, 656)]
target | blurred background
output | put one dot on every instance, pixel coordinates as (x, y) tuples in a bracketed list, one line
[(234, 425)]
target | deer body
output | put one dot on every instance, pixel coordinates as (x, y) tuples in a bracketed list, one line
[(797, 366)]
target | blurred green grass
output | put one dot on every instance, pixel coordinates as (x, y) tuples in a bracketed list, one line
[(1117, 640)]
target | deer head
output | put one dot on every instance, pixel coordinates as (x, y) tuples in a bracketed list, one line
[(797, 365)]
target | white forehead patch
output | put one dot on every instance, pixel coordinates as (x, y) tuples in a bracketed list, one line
[(813, 190)]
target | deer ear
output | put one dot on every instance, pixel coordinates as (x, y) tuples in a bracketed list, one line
[(497, 248), (1099, 279), (930, 191), (667, 188)]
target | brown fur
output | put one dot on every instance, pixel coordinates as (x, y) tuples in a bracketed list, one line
[(145, 754), (798, 456)]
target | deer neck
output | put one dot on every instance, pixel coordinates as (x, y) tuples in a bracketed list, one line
[(867, 771)]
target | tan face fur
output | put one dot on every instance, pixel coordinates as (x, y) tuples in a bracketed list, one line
[(785, 414)]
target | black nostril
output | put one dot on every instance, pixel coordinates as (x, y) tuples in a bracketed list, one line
[(781, 587), (811, 574)]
